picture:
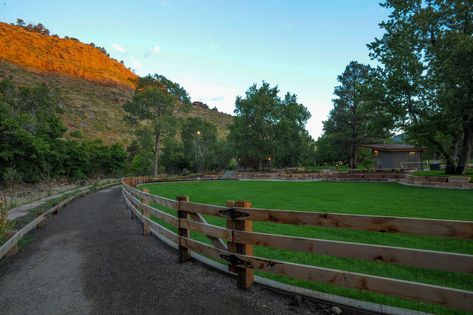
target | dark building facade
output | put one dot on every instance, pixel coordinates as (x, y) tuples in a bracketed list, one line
[(389, 156)]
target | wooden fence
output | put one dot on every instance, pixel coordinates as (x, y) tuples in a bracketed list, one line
[(234, 244)]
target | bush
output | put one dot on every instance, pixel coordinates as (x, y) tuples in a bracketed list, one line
[(4, 223), (11, 177), (32, 146)]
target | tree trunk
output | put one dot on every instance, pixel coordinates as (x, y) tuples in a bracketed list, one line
[(465, 148), (450, 167), (353, 156), (157, 153)]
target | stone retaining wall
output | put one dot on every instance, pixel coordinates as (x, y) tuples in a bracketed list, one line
[(461, 182)]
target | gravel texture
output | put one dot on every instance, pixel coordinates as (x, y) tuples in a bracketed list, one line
[(92, 259)]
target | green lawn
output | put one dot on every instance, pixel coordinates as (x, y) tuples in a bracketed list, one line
[(360, 198)]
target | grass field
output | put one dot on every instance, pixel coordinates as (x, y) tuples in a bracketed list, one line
[(358, 198)]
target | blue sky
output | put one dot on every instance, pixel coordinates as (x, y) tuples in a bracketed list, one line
[(217, 49)]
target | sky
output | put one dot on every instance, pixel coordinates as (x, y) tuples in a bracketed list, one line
[(216, 49)]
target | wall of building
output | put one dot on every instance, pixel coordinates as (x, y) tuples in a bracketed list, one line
[(395, 159)]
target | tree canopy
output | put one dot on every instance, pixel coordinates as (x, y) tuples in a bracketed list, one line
[(427, 66), (199, 139), (32, 146), (359, 115), (268, 129), (150, 111)]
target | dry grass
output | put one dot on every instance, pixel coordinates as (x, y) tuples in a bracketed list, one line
[(4, 223), (97, 110)]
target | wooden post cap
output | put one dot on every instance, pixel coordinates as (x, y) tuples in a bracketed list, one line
[(243, 204), (182, 198)]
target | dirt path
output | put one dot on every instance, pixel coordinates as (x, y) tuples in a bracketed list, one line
[(92, 259)]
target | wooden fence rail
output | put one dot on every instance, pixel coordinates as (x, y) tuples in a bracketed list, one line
[(240, 238)]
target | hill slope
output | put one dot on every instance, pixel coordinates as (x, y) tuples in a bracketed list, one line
[(63, 56), (92, 88)]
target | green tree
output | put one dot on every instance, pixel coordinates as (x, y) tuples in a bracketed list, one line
[(358, 116), (118, 158), (199, 138), (224, 154), (268, 129), (252, 131), (327, 152), (427, 59), (141, 152), (29, 124), (31, 143), (173, 157), (152, 108), (293, 140), (18, 148)]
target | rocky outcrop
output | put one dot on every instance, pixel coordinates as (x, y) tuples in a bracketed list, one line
[(51, 54)]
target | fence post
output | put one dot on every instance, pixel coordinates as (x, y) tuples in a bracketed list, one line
[(231, 225), (146, 213), (245, 276), (184, 252), (132, 214)]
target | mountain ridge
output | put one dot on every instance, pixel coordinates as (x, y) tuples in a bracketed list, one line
[(66, 56), (91, 87)]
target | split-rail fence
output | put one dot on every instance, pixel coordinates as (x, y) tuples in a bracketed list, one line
[(234, 244)]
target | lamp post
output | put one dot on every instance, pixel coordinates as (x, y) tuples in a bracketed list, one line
[(269, 159), (198, 152)]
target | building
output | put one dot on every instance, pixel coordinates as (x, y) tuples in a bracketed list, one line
[(396, 155)]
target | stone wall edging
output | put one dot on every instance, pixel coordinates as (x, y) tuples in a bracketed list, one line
[(402, 178)]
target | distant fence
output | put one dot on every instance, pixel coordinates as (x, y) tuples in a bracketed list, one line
[(234, 244)]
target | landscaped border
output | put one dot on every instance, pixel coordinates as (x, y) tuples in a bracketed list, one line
[(453, 182)]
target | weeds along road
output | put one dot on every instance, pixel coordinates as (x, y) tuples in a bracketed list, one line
[(92, 259)]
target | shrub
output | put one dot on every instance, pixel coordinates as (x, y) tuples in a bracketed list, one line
[(4, 223)]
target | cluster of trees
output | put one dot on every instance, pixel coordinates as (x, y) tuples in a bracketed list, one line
[(37, 28), (270, 131), (32, 147), (422, 86), (165, 143), (267, 131)]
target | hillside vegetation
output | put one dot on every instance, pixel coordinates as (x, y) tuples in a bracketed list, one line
[(91, 87)]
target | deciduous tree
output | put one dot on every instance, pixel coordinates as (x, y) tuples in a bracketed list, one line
[(427, 59), (152, 108)]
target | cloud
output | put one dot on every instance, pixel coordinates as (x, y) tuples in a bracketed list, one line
[(211, 93), (155, 50), (118, 48), (213, 46), (136, 64), (164, 3)]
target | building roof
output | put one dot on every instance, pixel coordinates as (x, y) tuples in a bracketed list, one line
[(395, 147)]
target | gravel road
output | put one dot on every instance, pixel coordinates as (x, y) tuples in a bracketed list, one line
[(92, 259)]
